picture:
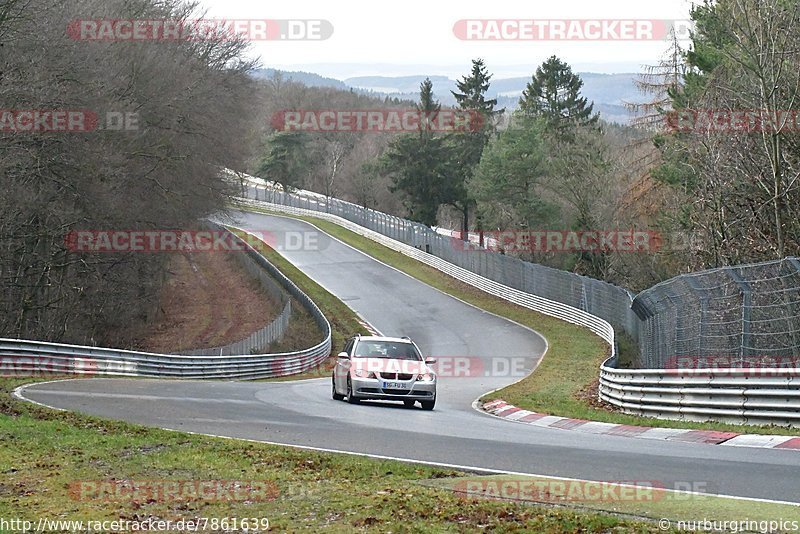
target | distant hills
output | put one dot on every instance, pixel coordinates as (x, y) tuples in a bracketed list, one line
[(607, 91), (309, 79)]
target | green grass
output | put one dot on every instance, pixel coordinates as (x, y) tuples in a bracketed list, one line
[(45, 453), (653, 503), (565, 383)]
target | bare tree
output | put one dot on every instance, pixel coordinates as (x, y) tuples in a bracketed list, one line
[(747, 198), (192, 103)]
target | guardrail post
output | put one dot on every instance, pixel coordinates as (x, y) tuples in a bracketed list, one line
[(744, 287), (584, 302), (703, 298)]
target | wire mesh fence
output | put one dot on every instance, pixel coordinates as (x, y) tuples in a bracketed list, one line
[(747, 315), (742, 312)]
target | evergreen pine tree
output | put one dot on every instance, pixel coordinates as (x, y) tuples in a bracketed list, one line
[(468, 145), (555, 94)]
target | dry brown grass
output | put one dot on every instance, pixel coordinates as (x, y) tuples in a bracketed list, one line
[(208, 300)]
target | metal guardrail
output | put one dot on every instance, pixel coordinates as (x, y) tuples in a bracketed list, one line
[(727, 395), (25, 358), (742, 396)]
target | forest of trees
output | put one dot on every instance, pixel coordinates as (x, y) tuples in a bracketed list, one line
[(193, 106), (716, 197), (549, 164), (738, 191), (338, 164), (712, 197)]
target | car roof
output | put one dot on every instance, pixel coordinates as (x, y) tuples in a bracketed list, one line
[(384, 338)]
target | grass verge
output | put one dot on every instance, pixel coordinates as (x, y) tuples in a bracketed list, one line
[(565, 383), (47, 455), (208, 300), (640, 501)]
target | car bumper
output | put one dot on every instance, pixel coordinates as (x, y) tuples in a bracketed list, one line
[(370, 388)]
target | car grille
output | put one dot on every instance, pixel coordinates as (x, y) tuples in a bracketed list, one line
[(397, 391), (396, 376)]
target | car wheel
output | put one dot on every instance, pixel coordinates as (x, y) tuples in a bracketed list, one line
[(428, 405), (335, 395), (408, 403), (352, 399)]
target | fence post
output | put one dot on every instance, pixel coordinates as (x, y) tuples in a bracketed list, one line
[(744, 287), (703, 297)]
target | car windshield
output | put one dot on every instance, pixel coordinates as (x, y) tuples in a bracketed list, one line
[(387, 349)]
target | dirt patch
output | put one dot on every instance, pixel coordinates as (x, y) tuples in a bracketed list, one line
[(588, 395), (208, 300)]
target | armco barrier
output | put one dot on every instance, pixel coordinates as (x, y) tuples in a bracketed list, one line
[(733, 395), (746, 396), (26, 358)]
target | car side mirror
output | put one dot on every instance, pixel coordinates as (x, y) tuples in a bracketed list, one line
[(430, 361), (344, 356)]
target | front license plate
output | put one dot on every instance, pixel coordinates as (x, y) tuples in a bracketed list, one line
[(394, 385)]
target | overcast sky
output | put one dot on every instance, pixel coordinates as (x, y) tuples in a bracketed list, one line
[(416, 36)]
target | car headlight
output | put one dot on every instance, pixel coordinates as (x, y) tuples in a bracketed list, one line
[(363, 373), (427, 377)]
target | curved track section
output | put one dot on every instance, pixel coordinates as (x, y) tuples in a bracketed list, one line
[(302, 413)]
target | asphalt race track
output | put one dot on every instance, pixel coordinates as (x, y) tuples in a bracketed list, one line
[(302, 413)]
